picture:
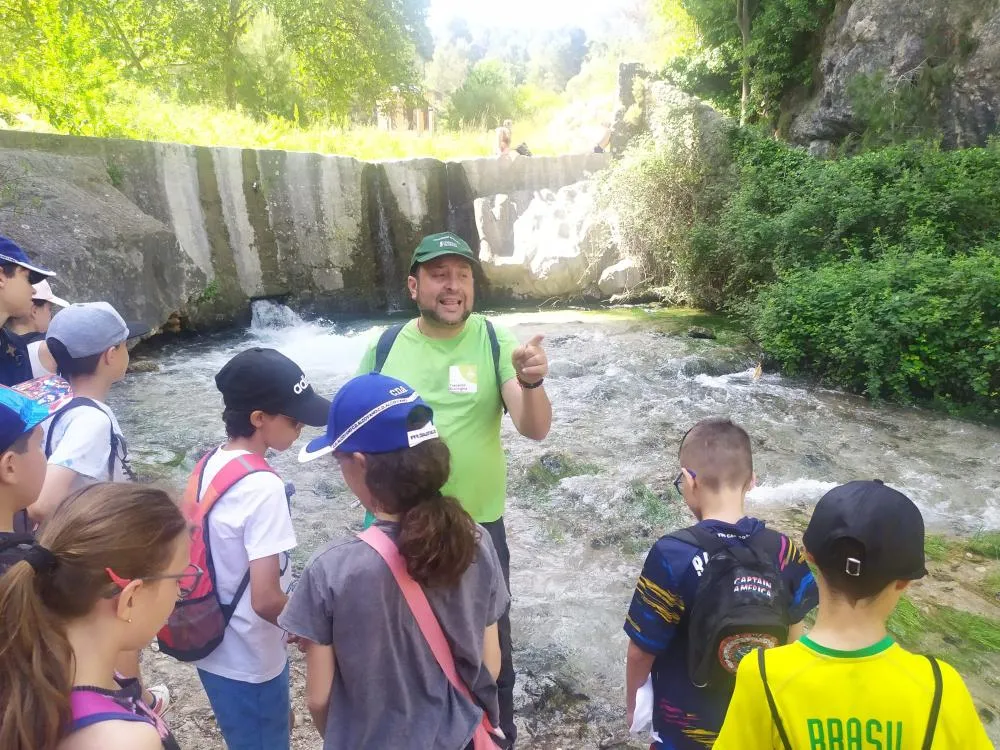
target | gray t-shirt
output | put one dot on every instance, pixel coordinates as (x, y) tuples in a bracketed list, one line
[(388, 690)]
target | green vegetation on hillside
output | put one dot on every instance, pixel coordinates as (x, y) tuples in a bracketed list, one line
[(750, 54), (287, 58), (878, 272)]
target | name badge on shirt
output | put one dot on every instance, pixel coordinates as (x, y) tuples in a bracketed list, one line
[(463, 379)]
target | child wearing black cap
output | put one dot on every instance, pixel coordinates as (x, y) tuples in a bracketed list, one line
[(267, 401), (847, 684)]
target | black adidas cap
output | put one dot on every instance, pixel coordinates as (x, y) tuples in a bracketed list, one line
[(267, 380), (882, 529)]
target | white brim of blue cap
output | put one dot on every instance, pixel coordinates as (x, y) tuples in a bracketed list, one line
[(323, 445), (33, 269)]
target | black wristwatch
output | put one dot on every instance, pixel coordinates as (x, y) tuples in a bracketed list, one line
[(530, 386)]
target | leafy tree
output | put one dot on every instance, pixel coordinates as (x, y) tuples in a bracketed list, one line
[(487, 97), (449, 67), (55, 61), (557, 57), (765, 48), (268, 72)]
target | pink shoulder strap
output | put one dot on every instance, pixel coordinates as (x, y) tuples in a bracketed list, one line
[(86, 703), (428, 623)]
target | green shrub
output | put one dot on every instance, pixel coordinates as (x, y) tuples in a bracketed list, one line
[(791, 210), (918, 326), (657, 193)]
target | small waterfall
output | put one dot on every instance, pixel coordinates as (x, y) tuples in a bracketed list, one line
[(268, 314), (384, 251)]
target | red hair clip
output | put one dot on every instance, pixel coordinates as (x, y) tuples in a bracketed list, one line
[(116, 579)]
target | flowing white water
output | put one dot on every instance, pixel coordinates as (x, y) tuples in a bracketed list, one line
[(623, 393)]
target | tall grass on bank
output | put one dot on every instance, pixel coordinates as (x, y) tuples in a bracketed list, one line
[(143, 115)]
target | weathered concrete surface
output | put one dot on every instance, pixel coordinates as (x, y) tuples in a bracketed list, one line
[(167, 230), (63, 210), (543, 244)]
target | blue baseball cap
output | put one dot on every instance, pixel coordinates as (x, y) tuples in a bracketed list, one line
[(373, 413), (19, 415), (11, 253)]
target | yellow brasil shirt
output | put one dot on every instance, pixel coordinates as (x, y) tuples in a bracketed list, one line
[(878, 698)]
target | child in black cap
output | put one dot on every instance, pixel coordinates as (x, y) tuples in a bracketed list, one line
[(267, 401), (848, 684)]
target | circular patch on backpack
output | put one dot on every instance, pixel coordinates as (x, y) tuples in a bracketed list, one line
[(733, 648)]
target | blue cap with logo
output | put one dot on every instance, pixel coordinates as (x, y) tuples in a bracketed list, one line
[(11, 253), (19, 415), (373, 413)]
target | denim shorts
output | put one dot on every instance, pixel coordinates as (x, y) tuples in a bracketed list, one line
[(251, 716)]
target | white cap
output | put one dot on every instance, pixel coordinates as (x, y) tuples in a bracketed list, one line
[(43, 292)]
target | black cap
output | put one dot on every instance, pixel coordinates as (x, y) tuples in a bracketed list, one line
[(267, 380), (867, 535)]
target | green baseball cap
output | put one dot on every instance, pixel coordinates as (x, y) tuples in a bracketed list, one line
[(444, 243)]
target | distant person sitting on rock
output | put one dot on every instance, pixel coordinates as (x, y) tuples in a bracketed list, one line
[(711, 593), (848, 684), (503, 149), (31, 329), (603, 138), (365, 630), (17, 274)]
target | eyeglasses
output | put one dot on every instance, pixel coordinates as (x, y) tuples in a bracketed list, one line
[(680, 480), (187, 581)]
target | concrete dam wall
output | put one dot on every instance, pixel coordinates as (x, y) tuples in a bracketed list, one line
[(189, 235)]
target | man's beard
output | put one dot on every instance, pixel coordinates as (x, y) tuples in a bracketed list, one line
[(431, 314)]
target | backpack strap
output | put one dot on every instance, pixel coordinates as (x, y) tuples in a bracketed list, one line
[(385, 342), (770, 702), (428, 623), (90, 707), (932, 720), (755, 548), (75, 402), (390, 334), (491, 332), (234, 470)]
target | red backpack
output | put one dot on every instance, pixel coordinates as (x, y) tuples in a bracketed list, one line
[(198, 623)]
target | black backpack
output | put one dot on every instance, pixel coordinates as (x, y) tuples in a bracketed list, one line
[(741, 604)]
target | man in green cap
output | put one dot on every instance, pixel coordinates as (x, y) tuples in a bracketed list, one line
[(468, 370)]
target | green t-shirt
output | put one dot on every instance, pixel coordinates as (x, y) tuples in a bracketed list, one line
[(456, 377)]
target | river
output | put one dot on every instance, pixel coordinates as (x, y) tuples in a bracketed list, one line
[(586, 503)]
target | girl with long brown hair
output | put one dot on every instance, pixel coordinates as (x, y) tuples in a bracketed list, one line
[(102, 578), (374, 679)]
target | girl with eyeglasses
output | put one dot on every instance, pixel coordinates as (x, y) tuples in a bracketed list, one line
[(102, 578)]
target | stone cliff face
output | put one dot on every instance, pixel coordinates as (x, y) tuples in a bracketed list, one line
[(899, 38), (191, 234)]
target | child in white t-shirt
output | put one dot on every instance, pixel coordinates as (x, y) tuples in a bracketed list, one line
[(267, 400), (84, 441)]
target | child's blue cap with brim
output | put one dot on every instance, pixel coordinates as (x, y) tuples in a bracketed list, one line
[(373, 413)]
